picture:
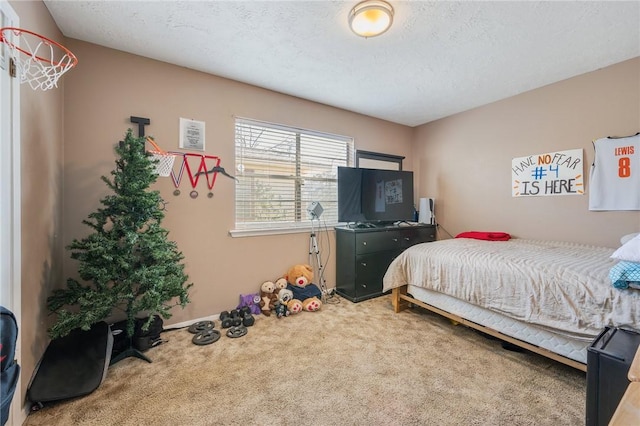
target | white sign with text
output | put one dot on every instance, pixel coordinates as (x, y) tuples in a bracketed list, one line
[(552, 173)]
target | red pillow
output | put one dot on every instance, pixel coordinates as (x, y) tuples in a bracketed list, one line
[(489, 236)]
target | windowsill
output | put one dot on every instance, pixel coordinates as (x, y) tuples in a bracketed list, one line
[(241, 233)]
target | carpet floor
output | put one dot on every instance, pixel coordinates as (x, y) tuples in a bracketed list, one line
[(347, 364)]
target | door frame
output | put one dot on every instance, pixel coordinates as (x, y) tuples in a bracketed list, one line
[(10, 194)]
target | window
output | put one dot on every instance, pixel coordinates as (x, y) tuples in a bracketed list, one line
[(378, 160), (281, 170)]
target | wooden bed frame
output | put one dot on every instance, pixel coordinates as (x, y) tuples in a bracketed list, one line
[(401, 301)]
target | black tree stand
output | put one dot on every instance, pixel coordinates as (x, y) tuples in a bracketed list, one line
[(130, 351)]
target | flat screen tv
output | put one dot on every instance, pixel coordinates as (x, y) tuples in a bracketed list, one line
[(374, 196)]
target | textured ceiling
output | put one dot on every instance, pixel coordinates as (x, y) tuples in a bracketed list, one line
[(438, 58)]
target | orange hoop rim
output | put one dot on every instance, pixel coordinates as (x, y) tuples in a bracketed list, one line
[(18, 31)]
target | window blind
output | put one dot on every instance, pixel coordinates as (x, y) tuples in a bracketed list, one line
[(281, 170)]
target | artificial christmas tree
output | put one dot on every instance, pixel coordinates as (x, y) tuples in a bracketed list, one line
[(128, 262)]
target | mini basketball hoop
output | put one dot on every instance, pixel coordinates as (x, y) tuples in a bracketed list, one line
[(40, 61), (165, 159)]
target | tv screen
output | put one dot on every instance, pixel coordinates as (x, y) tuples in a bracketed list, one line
[(374, 195)]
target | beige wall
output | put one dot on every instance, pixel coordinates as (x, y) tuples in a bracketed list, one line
[(108, 86), (464, 161), (41, 145)]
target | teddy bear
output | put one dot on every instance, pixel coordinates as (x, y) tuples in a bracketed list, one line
[(309, 296), (294, 306), (268, 297), (280, 284), (252, 301)]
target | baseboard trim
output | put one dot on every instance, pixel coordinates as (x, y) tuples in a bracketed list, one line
[(184, 324)]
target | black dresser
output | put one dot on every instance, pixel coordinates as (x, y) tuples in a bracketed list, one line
[(364, 254)]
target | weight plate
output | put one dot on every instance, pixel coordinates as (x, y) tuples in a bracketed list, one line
[(237, 331), (206, 337), (199, 326)]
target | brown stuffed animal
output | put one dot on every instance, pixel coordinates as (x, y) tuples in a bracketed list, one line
[(299, 282), (280, 284), (268, 297), (294, 306)]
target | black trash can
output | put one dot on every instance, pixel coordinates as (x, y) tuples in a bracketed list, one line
[(608, 360)]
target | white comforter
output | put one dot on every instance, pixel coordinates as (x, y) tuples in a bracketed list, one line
[(557, 285)]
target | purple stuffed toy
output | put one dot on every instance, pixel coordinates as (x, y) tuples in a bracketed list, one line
[(250, 300)]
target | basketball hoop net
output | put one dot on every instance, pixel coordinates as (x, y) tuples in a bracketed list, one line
[(164, 164), (40, 61)]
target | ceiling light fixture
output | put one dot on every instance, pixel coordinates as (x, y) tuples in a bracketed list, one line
[(371, 18)]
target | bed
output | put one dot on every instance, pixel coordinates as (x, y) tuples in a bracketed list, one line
[(552, 298)]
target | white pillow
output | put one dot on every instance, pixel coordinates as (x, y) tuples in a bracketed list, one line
[(630, 251), (627, 237)]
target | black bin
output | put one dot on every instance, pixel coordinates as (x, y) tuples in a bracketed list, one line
[(608, 360)]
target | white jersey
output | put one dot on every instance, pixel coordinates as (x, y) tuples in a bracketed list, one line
[(614, 182)]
